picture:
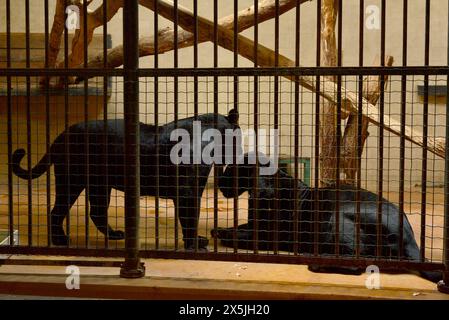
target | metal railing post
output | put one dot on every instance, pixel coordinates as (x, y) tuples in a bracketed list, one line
[(132, 267), (443, 286)]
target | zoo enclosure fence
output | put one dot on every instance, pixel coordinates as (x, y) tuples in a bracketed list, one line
[(132, 75)]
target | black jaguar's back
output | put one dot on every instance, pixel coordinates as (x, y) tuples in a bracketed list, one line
[(91, 155)]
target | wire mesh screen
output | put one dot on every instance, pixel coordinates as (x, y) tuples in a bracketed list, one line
[(294, 186), (241, 153)]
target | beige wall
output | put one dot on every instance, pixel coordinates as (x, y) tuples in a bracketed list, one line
[(438, 56)]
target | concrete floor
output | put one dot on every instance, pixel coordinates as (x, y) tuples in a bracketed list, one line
[(186, 279)]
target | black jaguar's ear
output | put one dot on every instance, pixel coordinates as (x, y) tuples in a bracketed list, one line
[(233, 117)]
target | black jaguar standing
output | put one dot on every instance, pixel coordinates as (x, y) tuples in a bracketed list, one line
[(96, 160), (265, 194)]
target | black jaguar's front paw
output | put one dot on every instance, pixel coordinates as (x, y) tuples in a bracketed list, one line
[(116, 235), (335, 269), (60, 240), (190, 244)]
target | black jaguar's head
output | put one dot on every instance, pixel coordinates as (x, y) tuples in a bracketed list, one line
[(241, 176)]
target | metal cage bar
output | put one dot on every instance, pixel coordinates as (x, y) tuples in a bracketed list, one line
[(132, 267), (132, 74)]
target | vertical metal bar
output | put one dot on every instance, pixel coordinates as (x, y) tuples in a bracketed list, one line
[(236, 102), (86, 129), (132, 267), (105, 110), (156, 119), (338, 129), (276, 125), (66, 120), (443, 286), (28, 117), (218, 169), (403, 120), (296, 229), (197, 199), (176, 102), (359, 128), (9, 105), (316, 204), (425, 134), (381, 136), (47, 122), (255, 204)]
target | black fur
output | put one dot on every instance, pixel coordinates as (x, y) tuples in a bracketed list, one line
[(265, 194), (106, 171)]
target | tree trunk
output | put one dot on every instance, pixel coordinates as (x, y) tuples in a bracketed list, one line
[(351, 153), (328, 110)]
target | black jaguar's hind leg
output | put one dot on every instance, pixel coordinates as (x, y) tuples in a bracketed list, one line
[(65, 198), (99, 198)]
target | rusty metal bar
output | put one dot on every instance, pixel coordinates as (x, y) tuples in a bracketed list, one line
[(381, 136), (443, 285), (338, 127), (218, 169), (221, 256), (196, 199), (176, 107), (359, 128), (422, 246), (86, 130), (234, 148), (296, 229), (28, 120), (9, 106), (403, 122), (156, 123), (316, 203), (132, 267), (276, 214), (47, 123), (105, 153), (255, 202), (66, 119), (241, 71)]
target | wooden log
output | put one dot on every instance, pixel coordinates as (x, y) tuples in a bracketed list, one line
[(55, 36), (328, 110), (351, 154), (94, 20), (266, 58), (186, 38), (328, 90)]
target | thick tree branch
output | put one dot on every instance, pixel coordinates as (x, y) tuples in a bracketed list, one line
[(55, 36), (351, 152), (245, 48), (328, 110), (266, 10)]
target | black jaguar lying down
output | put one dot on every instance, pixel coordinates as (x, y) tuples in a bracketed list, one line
[(265, 193), (105, 147)]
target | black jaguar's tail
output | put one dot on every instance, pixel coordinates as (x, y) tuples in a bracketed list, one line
[(36, 172)]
